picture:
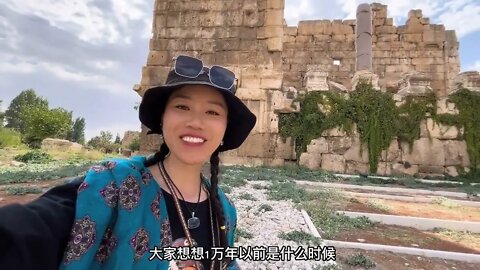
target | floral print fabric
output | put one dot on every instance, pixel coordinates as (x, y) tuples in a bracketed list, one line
[(120, 216)]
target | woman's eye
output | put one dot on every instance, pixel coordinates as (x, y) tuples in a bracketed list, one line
[(213, 113), (181, 107)]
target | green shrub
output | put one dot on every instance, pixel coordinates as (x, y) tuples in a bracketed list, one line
[(135, 144), (23, 190), (9, 138), (34, 156), (360, 260)]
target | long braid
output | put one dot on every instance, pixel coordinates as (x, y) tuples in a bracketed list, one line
[(215, 199), (158, 156)]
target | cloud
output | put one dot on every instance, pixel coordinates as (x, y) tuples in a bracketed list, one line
[(294, 10), (463, 16), (474, 66)]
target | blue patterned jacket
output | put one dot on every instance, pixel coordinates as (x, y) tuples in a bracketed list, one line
[(121, 216)]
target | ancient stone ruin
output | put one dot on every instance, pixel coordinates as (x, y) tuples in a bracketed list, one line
[(275, 63)]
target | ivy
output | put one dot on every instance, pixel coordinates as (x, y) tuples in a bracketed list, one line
[(468, 104), (410, 115), (375, 114), (310, 122), (377, 117)]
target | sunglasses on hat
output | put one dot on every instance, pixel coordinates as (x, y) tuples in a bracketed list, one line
[(192, 67)]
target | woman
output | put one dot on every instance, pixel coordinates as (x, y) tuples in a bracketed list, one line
[(126, 209)]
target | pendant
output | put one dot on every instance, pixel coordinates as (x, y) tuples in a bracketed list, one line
[(193, 222)]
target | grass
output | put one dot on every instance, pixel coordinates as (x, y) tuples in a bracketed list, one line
[(23, 190), (300, 238), (42, 172), (319, 205), (226, 189), (258, 186), (239, 232), (265, 207), (445, 202), (360, 260), (470, 239), (247, 196), (378, 205), (285, 173)]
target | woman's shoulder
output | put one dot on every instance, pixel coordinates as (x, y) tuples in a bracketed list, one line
[(118, 168)]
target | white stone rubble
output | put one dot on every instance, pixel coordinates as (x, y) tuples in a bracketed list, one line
[(267, 225)]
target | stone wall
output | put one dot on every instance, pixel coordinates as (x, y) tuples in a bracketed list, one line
[(244, 35), (128, 138), (416, 46), (275, 62)]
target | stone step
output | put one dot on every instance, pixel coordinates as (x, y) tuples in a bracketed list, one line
[(409, 191), (420, 223), (416, 199)]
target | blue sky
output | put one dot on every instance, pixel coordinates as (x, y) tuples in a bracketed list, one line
[(86, 55)]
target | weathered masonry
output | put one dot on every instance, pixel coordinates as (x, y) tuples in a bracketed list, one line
[(275, 63)]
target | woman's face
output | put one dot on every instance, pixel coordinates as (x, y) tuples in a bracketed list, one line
[(194, 123)]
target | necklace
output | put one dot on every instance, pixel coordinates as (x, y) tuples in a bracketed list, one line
[(193, 222), (164, 174)]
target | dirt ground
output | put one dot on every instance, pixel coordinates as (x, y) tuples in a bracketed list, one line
[(6, 198), (407, 237), (391, 261), (426, 210)]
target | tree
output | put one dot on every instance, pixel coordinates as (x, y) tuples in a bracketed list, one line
[(101, 142), (78, 131), (2, 115), (40, 123), (14, 114), (117, 139)]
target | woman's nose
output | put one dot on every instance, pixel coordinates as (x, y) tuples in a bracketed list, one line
[(195, 120)]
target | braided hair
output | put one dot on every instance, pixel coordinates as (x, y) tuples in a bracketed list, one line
[(218, 210)]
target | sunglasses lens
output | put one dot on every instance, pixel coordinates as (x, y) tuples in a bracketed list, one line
[(222, 77), (188, 66)]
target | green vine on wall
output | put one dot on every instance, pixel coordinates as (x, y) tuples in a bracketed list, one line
[(375, 114), (468, 105), (377, 117), (310, 122)]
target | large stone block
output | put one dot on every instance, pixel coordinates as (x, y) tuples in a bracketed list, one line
[(271, 80), (284, 148), (393, 152), (456, 153), (431, 169), (311, 161), (414, 38), (154, 75), (282, 102), (158, 58), (333, 163), (425, 151), (339, 145), (275, 44), (251, 94), (357, 152), (316, 80), (258, 145), (404, 169), (386, 29), (318, 146), (436, 130), (444, 106), (384, 168), (354, 167), (275, 4), (61, 145), (274, 17)]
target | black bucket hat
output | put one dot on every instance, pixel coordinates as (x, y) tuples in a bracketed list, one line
[(240, 119)]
